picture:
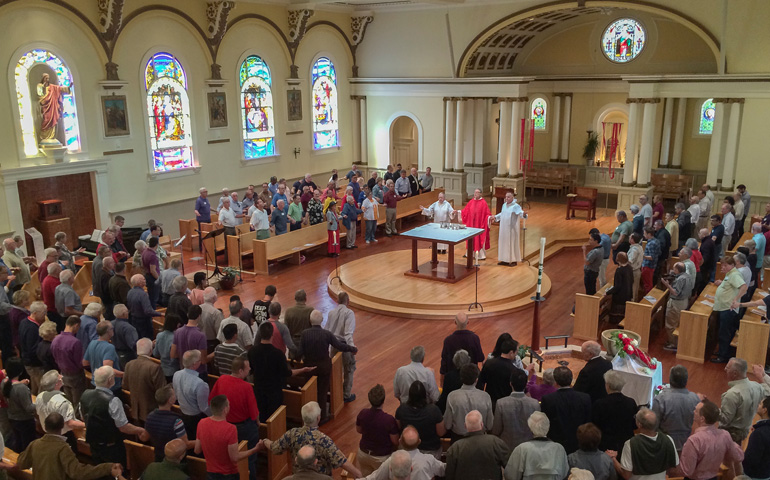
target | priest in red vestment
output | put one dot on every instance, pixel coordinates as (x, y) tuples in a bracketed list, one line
[(476, 214)]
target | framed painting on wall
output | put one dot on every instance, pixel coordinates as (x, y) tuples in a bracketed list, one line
[(115, 115), (217, 102), (294, 103)]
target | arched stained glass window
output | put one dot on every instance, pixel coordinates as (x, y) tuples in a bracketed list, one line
[(623, 40), (325, 123), (257, 108), (706, 120), (539, 113), (168, 110), (46, 111)]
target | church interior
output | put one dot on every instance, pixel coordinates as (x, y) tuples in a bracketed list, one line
[(129, 108)]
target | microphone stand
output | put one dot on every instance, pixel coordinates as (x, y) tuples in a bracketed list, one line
[(476, 304)]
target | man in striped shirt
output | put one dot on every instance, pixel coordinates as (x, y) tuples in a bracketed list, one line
[(163, 425), (227, 351)]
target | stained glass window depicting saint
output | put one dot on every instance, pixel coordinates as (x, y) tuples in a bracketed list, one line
[(168, 109), (539, 112), (706, 121), (46, 100), (623, 40), (325, 123), (257, 108)]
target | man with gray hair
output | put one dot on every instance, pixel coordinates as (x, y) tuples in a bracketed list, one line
[(678, 299), (477, 455), (51, 256), (740, 401), (143, 377), (191, 392), (211, 318), (328, 455), (423, 466), (461, 338), (125, 337), (51, 399), (67, 300), (649, 454), (48, 292), (614, 414), (540, 457), (140, 308), (313, 347), (341, 321), (675, 405), (179, 303), (307, 466), (452, 380), (590, 380), (101, 352), (415, 370), (645, 210), (106, 421), (245, 338), (637, 220), (400, 465), (15, 263), (167, 276)]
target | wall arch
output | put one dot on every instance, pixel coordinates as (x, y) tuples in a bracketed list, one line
[(420, 136)]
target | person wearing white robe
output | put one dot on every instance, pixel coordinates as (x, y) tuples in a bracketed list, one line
[(508, 249), (441, 211)]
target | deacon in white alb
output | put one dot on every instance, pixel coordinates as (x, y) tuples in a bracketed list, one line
[(508, 249), (441, 211)]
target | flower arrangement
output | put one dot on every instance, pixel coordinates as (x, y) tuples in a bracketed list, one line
[(659, 389), (628, 346)]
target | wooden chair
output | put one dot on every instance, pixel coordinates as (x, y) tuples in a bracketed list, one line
[(583, 199)]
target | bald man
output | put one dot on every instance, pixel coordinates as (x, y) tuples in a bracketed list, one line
[(590, 380), (424, 466), (307, 466), (142, 377), (461, 338), (170, 468), (139, 307), (477, 455)]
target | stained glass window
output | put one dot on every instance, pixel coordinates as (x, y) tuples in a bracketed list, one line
[(325, 123), (707, 113), (539, 112), (257, 108), (623, 40), (27, 104), (168, 109)]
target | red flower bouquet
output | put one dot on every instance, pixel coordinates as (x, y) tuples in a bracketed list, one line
[(628, 346)]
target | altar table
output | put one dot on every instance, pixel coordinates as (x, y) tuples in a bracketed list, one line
[(433, 233)]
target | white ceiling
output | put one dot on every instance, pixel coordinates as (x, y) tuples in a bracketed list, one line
[(383, 4)]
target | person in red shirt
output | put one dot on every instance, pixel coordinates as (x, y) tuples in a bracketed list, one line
[(48, 289), (217, 439), (242, 406), (51, 256)]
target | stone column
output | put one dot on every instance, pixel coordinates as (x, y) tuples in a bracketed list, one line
[(556, 126), (647, 142), (564, 156), (356, 114), (715, 150), (460, 134), (469, 131), (363, 130), (665, 141), (631, 139), (517, 113), (504, 137), (681, 111), (449, 134), (480, 110), (731, 144)]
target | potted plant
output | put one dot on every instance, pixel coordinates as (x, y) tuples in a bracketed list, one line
[(592, 145), (227, 280)]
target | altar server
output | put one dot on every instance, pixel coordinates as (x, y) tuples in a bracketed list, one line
[(508, 249), (441, 211)]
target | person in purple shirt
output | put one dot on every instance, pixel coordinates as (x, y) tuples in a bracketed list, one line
[(190, 337), (140, 309), (151, 266), (539, 391), (461, 338), (67, 351)]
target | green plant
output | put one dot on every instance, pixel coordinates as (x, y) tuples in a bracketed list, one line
[(592, 145), (230, 272), (523, 351)]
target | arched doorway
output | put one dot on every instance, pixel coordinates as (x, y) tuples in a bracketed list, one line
[(404, 142)]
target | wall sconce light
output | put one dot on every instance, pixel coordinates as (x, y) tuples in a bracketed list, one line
[(296, 152)]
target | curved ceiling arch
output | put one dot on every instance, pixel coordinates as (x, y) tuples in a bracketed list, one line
[(495, 49)]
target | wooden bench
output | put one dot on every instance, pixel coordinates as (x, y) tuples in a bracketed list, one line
[(693, 327), (140, 456), (336, 394), (12, 458), (547, 179), (409, 206), (188, 228), (246, 237), (83, 285), (33, 287), (641, 316), (590, 312), (289, 246), (672, 186), (752, 337), (746, 236)]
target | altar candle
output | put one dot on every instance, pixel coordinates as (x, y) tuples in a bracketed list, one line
[(522, 157), (540, 268)]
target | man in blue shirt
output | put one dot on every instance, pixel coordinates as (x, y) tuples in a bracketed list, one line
[(280, 218), (352, 173), (146, 234), (402, 185), (717, 233), (280, 194), (637, 220), (273, 185), (650, 259), (606, 244), (202, 212), (101, 352)]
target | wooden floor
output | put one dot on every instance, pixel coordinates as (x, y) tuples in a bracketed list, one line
[(384, 341)]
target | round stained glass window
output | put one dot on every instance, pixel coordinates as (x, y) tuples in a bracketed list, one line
[(623, 40)]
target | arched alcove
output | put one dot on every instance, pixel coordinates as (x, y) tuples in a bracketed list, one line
[(405, 142)]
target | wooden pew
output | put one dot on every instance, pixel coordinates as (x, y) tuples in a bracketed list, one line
[(336, 400), (693, 327), (11, 458), (246, 238), (34, 287), (139, 456), (590, 312), (766, 280), (190, 229), (273, 429), (640, 316), (289, 246), (752, 337)]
